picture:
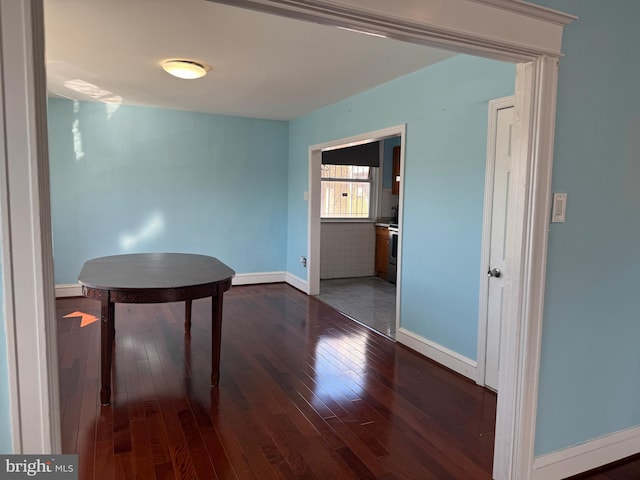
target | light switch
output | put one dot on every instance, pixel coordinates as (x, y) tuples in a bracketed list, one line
[(559, 208), (306, 195)]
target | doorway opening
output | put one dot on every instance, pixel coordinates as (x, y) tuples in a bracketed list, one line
[(368, 299)]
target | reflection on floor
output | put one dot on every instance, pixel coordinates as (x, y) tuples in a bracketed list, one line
[(369, 300)]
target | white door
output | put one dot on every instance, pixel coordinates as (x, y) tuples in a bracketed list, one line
[(501, 177)]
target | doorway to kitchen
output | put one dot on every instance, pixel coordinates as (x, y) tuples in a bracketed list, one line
[(349, 258)]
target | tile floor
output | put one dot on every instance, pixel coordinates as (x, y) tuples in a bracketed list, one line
[(369, 300)]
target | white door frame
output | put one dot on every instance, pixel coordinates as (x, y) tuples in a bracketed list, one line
[(27, 258), (501, 29), (492, 125)]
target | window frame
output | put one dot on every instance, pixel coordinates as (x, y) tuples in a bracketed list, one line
[(374, 185)]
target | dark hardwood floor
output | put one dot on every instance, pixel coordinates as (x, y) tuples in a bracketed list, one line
[(304, 393)]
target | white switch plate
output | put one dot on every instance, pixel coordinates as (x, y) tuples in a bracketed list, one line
[(559, 208), (306, 195)]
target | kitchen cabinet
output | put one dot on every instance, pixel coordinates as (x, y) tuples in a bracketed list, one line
[(382, 251), (395, 179)]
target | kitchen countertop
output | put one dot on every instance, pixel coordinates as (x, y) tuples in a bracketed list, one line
[(384, 222)]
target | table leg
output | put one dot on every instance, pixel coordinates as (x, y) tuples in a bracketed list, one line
[(107, 332), (187, 316), (216, 336)]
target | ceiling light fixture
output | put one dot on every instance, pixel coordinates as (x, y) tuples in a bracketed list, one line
[(186, 69)]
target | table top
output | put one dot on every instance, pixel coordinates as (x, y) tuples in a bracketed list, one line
[(153, 271)]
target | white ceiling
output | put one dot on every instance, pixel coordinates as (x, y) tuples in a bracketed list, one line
[(262, 66)]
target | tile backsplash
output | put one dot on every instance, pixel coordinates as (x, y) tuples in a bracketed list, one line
[(389, 200), (347, 249)]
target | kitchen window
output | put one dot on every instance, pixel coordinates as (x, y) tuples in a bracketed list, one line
[(349, 182), (346, 191)]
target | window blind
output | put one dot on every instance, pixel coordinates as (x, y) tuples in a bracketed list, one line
[(364, 155)]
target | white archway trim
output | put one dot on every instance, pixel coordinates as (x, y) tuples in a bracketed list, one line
[(534, 129), (514, 28), (27, 257)]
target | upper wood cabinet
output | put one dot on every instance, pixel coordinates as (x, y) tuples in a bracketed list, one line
[(395, 179)]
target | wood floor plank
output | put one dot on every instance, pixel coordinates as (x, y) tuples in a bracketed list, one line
[(156, 426), (103, 466), (305, 393), (196, 450), (141, 449)]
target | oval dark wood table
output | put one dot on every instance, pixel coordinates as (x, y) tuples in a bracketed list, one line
[(154, 278)]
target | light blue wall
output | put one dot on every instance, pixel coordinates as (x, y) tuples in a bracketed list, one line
[(148, 179), (590, 369), (5, 408), (445, 109)]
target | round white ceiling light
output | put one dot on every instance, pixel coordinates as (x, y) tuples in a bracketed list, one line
[(186, 69)]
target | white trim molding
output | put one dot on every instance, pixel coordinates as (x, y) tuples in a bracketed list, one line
[(587, 456), (260, 277), (297, 282), (68, 290), (529, 200), (531, 10), (27, 261), (436, 352), (517, 29)]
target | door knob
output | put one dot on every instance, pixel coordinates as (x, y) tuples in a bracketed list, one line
[(494, 273)]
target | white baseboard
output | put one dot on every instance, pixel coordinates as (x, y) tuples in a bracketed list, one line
[(260, 277), (298, 283), (75, 289), (68, 290), (587, 456), (448, 358)]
